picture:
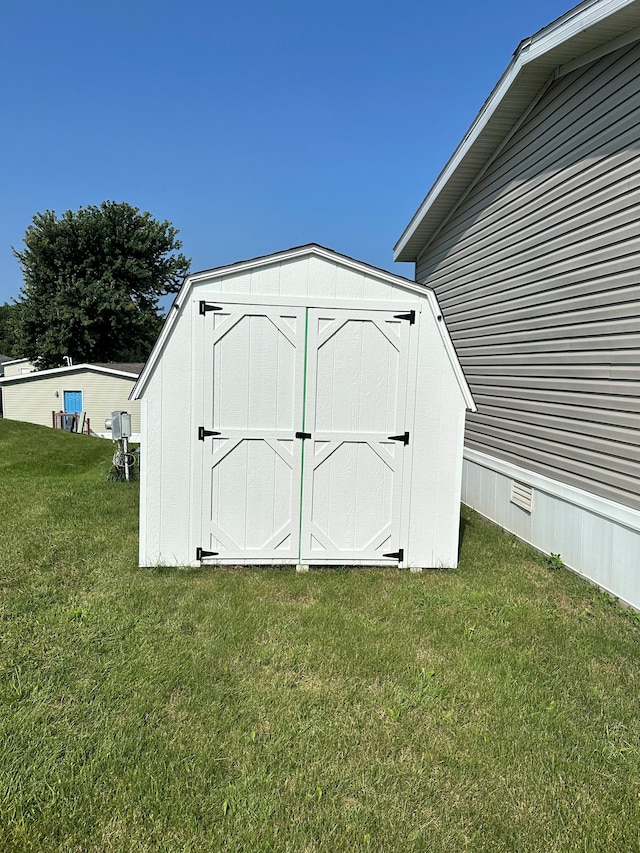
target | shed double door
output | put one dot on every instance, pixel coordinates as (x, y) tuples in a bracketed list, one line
[(304, 440)]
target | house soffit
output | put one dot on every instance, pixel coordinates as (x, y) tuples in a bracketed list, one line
[(537, 61)]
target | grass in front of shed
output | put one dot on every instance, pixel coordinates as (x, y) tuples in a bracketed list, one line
[(489, 708)]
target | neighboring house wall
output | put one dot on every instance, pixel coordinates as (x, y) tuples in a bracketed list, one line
[(537, 275), (599, 539), (34, 398), (18, 367), (3, 359)]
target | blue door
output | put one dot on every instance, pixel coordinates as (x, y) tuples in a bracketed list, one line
[(73, 405), (73, 401)]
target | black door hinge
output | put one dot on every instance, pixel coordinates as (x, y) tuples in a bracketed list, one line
[(208, 306), (203, 433), (201, 554), (303, 435), (410, 316), (404, 438), (397, 555)]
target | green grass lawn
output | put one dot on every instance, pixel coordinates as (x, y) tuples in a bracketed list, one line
[(489, 708)]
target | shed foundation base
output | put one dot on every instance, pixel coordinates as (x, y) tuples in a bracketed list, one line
[(302, 567)]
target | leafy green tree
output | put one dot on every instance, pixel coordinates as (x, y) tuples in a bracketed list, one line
[(8, 329), (92, 283)]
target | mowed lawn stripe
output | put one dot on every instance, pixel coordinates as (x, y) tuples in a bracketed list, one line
[(488, 708)]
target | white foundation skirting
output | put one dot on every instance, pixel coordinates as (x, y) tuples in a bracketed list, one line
[(595, 537)]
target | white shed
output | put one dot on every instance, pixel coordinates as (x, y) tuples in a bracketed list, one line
[(302, 408)]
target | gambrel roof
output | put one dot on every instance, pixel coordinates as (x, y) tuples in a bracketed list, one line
[(210, 277)]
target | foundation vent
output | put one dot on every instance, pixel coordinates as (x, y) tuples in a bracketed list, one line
[(522, 495)]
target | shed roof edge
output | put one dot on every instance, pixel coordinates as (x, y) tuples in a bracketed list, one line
[(253, 263)]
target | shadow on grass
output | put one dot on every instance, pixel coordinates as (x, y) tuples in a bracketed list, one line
[(462, 530), (197, 572)]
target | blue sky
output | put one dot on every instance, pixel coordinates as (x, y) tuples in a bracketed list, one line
[(251, 126)]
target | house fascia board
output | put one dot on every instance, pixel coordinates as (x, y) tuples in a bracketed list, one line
[(290, 254), (64, 371), (15, 361), (583, 31)]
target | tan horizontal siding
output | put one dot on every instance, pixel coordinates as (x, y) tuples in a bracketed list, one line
[(571, 215), (568, 421), (559, 199), (34, 399), (590, 467), (614, 233), (550, 276), (556, 311), (562, 360), (545, 155), (613, 487), (538, 276), (484, 245), (619, 346), (623, 396), (578, 296), (552, 394), (594, 256), (579, 110), (561, 373), (621, 456), (528, 411), (584, 323)]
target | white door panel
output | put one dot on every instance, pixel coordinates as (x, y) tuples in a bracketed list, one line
[(337, 377), (254, 365), (356, 399)]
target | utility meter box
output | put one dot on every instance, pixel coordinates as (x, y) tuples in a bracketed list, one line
[(120, 425)]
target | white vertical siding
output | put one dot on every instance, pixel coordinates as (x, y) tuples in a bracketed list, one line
[(437, 454), (174, 461), (306, 278), (166, 511)]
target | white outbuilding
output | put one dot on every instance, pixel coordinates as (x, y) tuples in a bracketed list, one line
[(302, 408), (78, 397)]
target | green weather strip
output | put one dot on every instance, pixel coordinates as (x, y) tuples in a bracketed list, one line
[(304, 419)]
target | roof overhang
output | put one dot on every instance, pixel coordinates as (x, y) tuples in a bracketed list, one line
[(586, 32), (65, 371), (15, 361)]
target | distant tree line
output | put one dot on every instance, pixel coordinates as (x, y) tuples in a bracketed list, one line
[(8, 330), (92, 283)]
